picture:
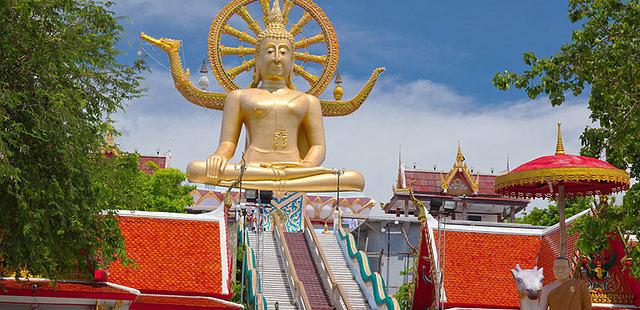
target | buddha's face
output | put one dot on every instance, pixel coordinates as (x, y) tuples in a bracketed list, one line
[(275, 59), (561, 269)]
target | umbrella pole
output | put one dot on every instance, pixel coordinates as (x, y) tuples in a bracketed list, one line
[(563, 230)]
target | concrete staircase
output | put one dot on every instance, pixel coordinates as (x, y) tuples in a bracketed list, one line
[(341, 271), (307, 271), (274, 283)]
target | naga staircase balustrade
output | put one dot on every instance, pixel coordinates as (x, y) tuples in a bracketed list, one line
[(254, 296), (372, 283)]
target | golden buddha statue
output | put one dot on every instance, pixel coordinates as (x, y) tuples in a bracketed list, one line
[(285, 131)]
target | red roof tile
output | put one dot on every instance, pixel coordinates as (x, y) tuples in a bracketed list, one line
[(550, 249), (477, 267), (431, 182), (171, 256), (159, 160)]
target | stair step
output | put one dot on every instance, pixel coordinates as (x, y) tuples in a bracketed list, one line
[(274, 283), (341, 270)]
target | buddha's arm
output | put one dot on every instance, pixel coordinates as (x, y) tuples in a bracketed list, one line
[(315, 134), (229, 135)]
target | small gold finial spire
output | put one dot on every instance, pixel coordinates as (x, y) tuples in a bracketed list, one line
[(559, 145), (338, 91), (459, 157)]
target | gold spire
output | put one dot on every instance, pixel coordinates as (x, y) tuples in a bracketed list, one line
[(110, 147), (459, 156), (110, 140), (400, 179), (276, 14), (559, 145), (460, 167), (275, 28)]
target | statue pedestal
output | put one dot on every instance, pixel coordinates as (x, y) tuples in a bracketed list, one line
[(290, 204)]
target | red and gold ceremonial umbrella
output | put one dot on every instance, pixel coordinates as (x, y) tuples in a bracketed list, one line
[(561, 175)]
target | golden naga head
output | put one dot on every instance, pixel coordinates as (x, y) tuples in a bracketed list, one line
[(271, 41)]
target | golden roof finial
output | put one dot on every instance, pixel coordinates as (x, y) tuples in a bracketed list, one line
[(459, 156), (110, 147), (110, 140), (559, 145)]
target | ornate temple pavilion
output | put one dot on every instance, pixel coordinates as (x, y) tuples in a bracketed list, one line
[(465, 195)]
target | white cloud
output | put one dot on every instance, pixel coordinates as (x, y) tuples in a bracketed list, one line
[(426, 118)]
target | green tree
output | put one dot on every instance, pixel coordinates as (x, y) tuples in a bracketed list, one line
[(119, 184), (550, 216), (603, 58), (59, 82), (406, 290)]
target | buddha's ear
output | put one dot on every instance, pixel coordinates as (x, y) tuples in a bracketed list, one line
[(255, 81), (290, 84)]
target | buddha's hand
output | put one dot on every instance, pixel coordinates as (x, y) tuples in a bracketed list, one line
[(215, 165)]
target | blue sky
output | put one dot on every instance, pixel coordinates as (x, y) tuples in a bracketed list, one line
[(440, 57), (461, 44)]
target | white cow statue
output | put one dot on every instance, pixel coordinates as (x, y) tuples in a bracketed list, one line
[(529, 286)]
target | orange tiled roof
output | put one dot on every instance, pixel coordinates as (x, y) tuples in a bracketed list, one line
[(550, 249), (172, 256), (477, 267)]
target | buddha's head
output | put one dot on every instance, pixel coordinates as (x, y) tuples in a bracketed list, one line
[(561, 269), (274, 51)]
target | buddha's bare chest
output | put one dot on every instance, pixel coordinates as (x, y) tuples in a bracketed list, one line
[(289, 109)]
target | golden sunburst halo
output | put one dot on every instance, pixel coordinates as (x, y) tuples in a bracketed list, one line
[(326, 36)]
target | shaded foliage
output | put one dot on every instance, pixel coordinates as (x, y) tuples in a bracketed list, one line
[(550, 216), (119, 184), (59, 82), (405, 291)]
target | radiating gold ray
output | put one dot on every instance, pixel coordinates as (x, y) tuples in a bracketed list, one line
[(245, 66), (297, 27), (299, 70), (253, 25), (241, 35), (240, 50), (309, 57), (287, 6), (264, 4), (304, 43)]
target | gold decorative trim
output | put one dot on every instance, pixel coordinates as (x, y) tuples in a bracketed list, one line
[(343, 108), (306, 42), (459, 166), (240, 35), (209, 100), (503, 183)]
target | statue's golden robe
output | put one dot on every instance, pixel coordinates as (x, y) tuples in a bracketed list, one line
[(571, 295)]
